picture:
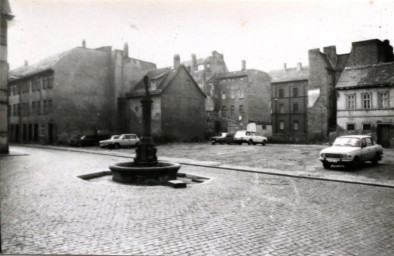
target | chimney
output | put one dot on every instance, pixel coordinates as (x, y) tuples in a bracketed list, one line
[(126, 50), (285, 66), (177, 61), (83, 43), (243, 65), (299, 66), (194, 62), (26, 63), (331, 53)]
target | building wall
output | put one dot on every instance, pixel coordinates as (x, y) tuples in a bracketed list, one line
[(82, 95), (360, 116), (258, 96), (370, 52), (289, 115), (183, 109), (127, 72), (321, 107), (134, 119)]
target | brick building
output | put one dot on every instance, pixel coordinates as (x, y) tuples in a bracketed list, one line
[(366, 92), (289, 103), (72, 93), (240, 98), (178, 108)]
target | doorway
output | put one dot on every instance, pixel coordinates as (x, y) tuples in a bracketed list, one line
[(383, 135)]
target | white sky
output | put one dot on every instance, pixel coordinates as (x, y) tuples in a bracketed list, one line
[(265, 33)]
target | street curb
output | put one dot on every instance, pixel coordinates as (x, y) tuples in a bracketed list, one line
[(217, 165)]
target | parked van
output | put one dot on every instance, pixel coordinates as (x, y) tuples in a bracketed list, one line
[(250, 138)]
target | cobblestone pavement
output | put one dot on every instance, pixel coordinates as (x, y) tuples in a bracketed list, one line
[(45, 208)]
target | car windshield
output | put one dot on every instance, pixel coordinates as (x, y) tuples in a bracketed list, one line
[(347, 142), (224, 134), (114, 137)]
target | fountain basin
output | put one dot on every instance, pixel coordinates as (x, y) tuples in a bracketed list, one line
[(132, 173)]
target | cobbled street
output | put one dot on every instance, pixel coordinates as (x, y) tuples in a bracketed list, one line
[(47, 209)]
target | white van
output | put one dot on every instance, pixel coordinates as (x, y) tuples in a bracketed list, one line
[(250, 138)]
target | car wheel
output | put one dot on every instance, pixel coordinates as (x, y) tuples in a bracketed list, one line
[(116, 146), (263, 143), (354, 164), (376, 159), (137, 144), (250, 142), (326, 165), (213, 142)]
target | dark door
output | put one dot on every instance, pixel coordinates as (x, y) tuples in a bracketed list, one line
[(35, 132), (30, 138), (50, 133), (384, 135)]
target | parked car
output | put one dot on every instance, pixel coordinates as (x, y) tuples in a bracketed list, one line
[(350, 151), (224, 138), (88, 140), (249, 137), (123, 140)]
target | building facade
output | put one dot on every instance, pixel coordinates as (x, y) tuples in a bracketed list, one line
[(178, 108), (240, 98), (289, 104), (5, 16), (366, 102), (72, 93)]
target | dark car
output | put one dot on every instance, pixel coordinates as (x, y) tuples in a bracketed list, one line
[(225, 138), (89, 140)]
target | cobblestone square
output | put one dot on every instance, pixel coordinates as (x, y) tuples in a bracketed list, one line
[(47, 209)]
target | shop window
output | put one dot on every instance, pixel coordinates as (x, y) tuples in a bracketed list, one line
[(281, 125)]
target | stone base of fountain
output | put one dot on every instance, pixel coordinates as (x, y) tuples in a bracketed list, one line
[(137, 174)]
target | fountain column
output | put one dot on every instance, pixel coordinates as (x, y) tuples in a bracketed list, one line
[(146, 151)]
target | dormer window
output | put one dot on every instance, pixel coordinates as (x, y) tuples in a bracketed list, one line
[(153, 85)]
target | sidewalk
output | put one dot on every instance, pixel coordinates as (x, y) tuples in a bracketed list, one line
[(327, 175)]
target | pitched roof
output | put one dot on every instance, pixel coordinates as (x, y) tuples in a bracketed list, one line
[(163, 78), (290, 74), (367, 76), (45, 64)]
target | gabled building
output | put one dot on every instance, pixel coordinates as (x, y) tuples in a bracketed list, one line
[(71, 93), (178, 108), (289, 103), (240, 98), (366, 101)]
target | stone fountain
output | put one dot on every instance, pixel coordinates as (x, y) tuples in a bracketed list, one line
[(145, 169)]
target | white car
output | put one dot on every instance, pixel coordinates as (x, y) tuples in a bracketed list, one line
[(249, 137), (123, 140), (350, 151)]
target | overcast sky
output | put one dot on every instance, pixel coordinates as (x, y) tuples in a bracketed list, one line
[(265, 33)]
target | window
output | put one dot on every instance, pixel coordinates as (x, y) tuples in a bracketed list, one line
[(44, 82), (282, 108), (384, 100), (45, 107), (241, 109), (232, 94), (295, 92), (295, 107), (14, 110), (281, 93), (369, 141), (366, 127), (50, 106), (241, 94), (33, 108), (295, 125), (153, 85), (366, 100), (224, 111), (351, 101), (50, 81), (38, 108), (232, 110), (351, 127), (18, 109), (281, 125), (223, 95)]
